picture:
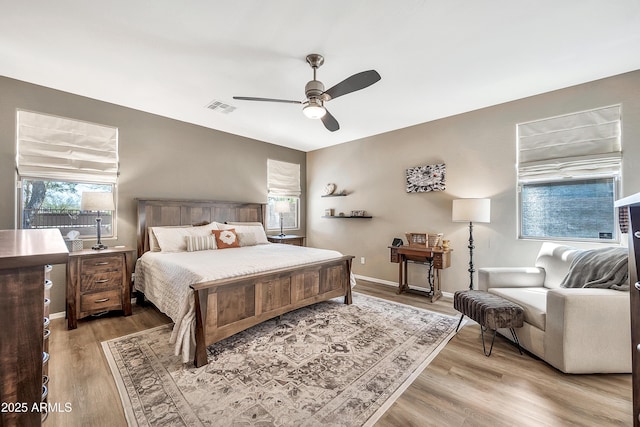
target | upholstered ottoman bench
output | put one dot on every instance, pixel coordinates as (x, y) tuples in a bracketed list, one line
[(491, 312)]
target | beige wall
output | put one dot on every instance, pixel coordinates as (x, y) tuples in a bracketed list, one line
[(480, 154), (159, 157)]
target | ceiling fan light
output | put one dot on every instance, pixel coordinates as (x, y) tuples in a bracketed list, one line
[(314, 110)]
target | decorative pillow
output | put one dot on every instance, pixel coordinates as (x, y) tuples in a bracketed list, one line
[(247, 239), (200, 243), (226, 238), (173, 239), (256, 230)]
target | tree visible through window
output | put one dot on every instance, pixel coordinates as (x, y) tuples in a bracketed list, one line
[(56, 204)]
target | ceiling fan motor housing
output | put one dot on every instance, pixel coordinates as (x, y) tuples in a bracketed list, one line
[(314, 89)]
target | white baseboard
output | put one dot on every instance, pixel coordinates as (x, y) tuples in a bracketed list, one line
[(395, 284)]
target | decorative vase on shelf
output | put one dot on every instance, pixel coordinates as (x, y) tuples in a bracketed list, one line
[(329, 189)]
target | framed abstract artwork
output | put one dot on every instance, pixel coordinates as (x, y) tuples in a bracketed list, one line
[(422, 179)]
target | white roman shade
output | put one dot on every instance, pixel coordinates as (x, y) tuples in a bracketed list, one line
[(576, 145), (283, 179), (60, 149)]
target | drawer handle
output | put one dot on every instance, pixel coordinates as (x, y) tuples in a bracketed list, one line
[(98, 301), (102, 281), (102, 263)]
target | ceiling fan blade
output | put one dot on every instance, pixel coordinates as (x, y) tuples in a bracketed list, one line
[(353, 83), (250, 98), (330, 122)]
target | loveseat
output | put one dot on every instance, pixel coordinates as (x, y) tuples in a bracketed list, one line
[(576, 330)]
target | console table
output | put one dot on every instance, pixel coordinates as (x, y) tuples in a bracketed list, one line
[(435, 258)]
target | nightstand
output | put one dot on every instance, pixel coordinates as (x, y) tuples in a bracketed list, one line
[(287, 239), (98, 281)]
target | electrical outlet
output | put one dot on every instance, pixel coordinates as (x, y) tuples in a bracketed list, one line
[(361, 260)]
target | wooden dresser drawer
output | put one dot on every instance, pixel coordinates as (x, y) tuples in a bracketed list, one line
[(101, 300), (101, 281), (102, 264)]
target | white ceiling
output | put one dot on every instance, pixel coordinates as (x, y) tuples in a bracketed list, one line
[(437, 58)]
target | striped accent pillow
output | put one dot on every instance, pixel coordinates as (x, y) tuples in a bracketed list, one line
[(200, 243)]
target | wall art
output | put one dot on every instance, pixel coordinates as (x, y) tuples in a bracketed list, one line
[(422, 179)]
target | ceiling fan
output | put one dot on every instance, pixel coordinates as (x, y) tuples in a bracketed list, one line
[(316, 95)]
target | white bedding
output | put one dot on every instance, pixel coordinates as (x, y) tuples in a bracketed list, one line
[(164, 278)]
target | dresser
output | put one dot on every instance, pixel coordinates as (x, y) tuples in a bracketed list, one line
[(26, 257), (98, 281), (632, 203)]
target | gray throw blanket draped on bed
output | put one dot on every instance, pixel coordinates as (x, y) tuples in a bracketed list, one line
[(599, 268)]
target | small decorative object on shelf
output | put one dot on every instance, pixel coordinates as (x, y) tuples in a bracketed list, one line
[(417, 240), (328, 212), (434, 239), (329, 189), (357, 213)]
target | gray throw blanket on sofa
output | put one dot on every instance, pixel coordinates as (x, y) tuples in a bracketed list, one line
[(599, 268)]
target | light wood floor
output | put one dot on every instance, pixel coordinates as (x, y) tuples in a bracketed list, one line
[(461, 387)]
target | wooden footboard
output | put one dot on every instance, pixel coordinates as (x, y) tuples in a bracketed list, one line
[(226, 307)]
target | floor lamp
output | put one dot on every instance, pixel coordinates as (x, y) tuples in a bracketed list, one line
[(471, 210), (94, 201)]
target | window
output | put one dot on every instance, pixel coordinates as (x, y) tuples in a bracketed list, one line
[(57, 160), (577, 209), (283, 182), (568, 176), (56, 204)]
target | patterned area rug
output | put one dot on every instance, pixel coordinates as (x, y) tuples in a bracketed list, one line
[(329, 364)]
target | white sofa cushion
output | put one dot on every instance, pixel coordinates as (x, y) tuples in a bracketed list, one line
[(555, 260), (532, 300)]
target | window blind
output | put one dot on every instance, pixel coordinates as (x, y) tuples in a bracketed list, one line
[(56, 148), (283, 179), (581, 144)]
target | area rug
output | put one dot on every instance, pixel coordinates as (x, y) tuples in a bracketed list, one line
[(329, 364)]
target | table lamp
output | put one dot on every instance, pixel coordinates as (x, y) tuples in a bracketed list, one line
[(94, 201), (471, 210), (281, 208)]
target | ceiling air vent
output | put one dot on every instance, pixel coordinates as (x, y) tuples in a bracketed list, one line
[(220, 107)]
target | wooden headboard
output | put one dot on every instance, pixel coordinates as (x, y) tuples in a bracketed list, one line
[(163, 212)]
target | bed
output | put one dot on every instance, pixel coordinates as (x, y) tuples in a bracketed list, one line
[(213, 294)]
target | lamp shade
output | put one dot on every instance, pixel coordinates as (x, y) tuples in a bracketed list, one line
[(94, 201), (471, 210), (282, 206)]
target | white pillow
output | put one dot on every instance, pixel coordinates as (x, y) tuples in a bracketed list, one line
[(154, 246), (173, 239), (256, 230)]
